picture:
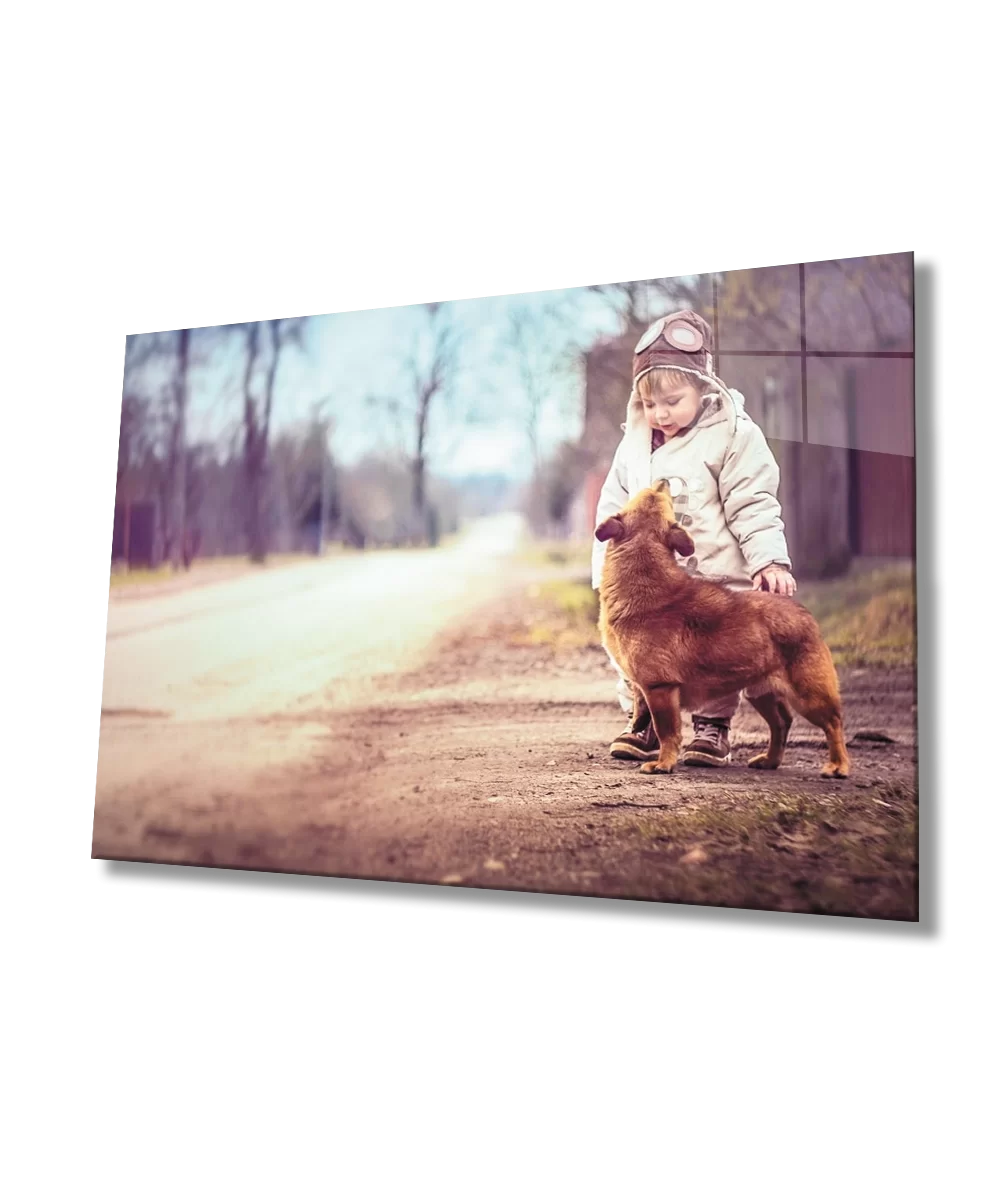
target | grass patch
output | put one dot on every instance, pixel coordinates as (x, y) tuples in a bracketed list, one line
[(221, 564), (563, 614), (732, 818), (868, 618), (837, 854), (551, 553), (120, 579), (574, 598), (742, 815), (140, 575)]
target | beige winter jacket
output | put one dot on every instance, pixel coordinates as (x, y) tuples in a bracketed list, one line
[(724, 483)]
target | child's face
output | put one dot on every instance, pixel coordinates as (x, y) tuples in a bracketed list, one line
[(669, 407)]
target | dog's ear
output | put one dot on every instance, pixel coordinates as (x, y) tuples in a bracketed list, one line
[(661, 485), (611, 528), (679, 541)]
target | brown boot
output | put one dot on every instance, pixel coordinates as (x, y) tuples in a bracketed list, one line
[(710, 745), (638, 740)]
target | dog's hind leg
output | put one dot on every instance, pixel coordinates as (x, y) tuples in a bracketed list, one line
[(779, 721), (664, 700), (839, 765), (816, 695)]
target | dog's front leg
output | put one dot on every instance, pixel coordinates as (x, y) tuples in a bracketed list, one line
[(664, 700)]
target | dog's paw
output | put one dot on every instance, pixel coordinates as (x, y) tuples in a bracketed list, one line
[(654, 768), (832, 771), (761, 762)]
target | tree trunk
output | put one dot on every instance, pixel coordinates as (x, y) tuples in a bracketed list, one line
[(253, 456), (255, 479), (321, 534), (178, 456), (420, 459)]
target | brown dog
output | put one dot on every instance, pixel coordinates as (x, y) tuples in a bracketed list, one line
[(683, 641)]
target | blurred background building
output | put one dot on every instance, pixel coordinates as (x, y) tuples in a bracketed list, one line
[(823, 353)]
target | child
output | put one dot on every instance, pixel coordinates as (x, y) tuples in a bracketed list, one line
[(684, 425)]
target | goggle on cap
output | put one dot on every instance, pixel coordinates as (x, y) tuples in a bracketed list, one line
[(680, 339)]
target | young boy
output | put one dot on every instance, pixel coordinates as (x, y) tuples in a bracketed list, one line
[(684, 425)]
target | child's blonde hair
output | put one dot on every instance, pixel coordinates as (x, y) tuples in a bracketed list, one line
[(663, 377)]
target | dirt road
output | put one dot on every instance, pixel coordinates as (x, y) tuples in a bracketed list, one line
[(205, 686), (381, 718)]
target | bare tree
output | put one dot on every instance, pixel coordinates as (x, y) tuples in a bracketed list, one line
[(134, 444), (265, 341), (177, 454), (152, 431), (638, 302), (635, 303), (759, 308), (321, 475), (431, 374), (144, 423), (133, 440), (387, 410), (141, 349), (535, 368), (154, 427), (630, 300), (884, 286), (862, 304)]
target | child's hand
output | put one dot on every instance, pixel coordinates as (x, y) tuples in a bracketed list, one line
[(778, 580)]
